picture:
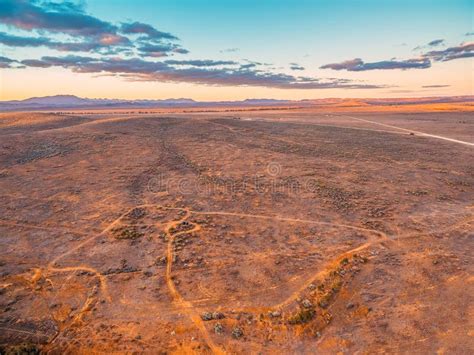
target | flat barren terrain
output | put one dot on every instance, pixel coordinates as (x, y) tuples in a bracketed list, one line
[(237, 232)]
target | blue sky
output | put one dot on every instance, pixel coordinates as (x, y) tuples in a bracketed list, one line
[(310, 34), (289, 30)]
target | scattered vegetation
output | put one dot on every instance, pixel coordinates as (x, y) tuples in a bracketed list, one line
[(130, 233), (237, 333), (324, 295), (304, 315), (21, 349), (183, 226), (136, 213)]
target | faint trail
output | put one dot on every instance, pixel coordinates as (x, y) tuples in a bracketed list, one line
[(304, 123), (79, 124), (232, 129), (24, 332), (422, 134), (297, 220), (177, 298), (241, 296), (456, 225), (105, 230), (204, 291), (87, 306), (102, 280), (32, 226)]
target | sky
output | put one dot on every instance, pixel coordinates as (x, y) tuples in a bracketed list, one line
[(234, 50)]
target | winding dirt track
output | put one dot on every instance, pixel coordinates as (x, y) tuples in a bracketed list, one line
[(188, 307), (422, 134)]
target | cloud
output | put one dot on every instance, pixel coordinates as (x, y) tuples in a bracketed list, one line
[(180, 50), (70, 61), (256, 63), (296, 66), (6, 62), (401, 91), (247, 66), (229, 50), (53, 17), (201, 63), (436, 42), (160, 50), (223, 77), (433, 43), (358, 64), (435, 86), (136, 69), (36, 63), (464, 50), (345, 65), (143, 28), (17, 41), (21, 41), (89, 33)]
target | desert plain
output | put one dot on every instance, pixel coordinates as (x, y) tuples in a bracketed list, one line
[(248, 231)]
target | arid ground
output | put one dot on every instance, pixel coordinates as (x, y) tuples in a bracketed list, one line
[(237, 232)]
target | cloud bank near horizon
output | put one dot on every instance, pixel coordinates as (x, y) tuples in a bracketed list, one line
[(191, 71), (464, 50)]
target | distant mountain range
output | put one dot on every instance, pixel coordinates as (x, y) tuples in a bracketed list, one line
[(71, 101), (59, 102)]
